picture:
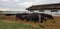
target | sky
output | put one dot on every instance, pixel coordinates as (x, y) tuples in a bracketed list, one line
[(21, 5)]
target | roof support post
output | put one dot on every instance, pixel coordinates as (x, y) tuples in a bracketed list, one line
[(39, 18)]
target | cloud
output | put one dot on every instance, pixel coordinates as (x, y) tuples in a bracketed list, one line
[(14, 5), (5, 0), (20, 5), (26, 4), (46, 1)]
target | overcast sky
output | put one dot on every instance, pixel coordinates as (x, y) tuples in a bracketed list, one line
[(21, 5)]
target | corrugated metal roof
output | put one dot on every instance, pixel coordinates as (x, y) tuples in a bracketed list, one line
[(44, 7)]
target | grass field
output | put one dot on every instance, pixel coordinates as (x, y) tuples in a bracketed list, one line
[(5, 25), (10, 24)]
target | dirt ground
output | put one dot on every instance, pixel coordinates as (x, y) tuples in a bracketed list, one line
[(46, 25)]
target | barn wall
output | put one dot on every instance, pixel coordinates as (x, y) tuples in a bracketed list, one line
[(52, 13), (49, 12)]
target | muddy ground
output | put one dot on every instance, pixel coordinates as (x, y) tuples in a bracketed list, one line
[(46, 25)]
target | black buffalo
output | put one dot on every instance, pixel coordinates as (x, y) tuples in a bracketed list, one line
[(44, 17), (28, 17), (21, 16), (9, 14), (34, 17)]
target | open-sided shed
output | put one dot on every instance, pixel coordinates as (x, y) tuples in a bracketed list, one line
[(55, 6)]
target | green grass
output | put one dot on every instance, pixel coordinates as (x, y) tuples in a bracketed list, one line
[(5, 25)]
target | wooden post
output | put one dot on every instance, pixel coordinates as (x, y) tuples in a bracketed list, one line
[(39, 19)]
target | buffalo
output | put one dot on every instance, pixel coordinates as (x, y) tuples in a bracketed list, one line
[(21, 16), (9, 14), (45, 17), (34, 17), (28, 17)]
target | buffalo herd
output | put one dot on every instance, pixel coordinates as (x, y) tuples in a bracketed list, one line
[(34, 17)]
